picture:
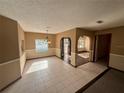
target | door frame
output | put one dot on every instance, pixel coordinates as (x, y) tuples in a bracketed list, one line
[(95, 57), (62, 46)]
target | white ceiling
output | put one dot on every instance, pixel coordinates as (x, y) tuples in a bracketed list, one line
[(61, 15)]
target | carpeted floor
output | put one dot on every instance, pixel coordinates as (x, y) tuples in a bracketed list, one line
[(110, 82)]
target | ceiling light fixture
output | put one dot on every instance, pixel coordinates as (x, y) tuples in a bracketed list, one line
[(99, 21), (47, 38)]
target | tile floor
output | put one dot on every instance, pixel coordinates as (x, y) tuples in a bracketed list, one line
[(52, 75)]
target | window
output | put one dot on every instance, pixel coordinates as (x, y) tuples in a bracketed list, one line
[(41, 45), (84, 43), (81, 42)]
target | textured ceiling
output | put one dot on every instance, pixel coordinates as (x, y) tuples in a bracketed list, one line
[(61, 15)]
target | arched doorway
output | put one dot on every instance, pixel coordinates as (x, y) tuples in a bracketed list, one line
[(83, 50), (65, 45), (83, 44)]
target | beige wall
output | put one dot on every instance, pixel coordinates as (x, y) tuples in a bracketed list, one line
[(117, 42), (83, 32), (21, 38), (9, 40), (31, 37), (0, 39), (71, 34), (10, 57), (30, 45), (21, 42)]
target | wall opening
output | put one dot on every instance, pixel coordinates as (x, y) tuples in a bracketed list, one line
[(102, 49), (83, 50), (65, 49), (83, 44)]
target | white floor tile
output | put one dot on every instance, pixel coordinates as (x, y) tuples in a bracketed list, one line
[(52, 75)]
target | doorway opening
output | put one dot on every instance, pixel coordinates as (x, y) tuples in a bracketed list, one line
[(102, 49), (83, 50), (65, 49)]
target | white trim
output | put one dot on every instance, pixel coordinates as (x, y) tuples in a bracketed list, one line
[(73, 53), (11, 61), (57, 48), (116, 55), (35, 49)]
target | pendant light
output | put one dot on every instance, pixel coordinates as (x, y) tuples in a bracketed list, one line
[(47, 38)]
